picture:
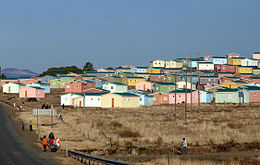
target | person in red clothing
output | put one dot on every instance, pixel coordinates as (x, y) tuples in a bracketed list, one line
[(50, 142), (44, 143)]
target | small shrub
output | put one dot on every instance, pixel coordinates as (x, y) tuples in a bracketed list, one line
[(116, 124), (129, 133), (159, 141), (143, 150)]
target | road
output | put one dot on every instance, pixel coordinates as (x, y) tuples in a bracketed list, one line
[(14, 149)]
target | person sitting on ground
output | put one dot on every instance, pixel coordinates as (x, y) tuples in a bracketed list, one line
[(51, 135), (44, 143)]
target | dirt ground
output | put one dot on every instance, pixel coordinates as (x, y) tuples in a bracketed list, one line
[(150, 130)]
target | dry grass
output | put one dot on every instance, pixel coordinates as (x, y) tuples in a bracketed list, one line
[(224, 127)]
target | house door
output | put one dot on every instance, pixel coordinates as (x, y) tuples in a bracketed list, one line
[(79, 103), (229, 86), (9, 89), (184, 86), (247, 63), (48, 81), (113, 103), (25, 93), (144, 87), (59, 85), (72, 101)]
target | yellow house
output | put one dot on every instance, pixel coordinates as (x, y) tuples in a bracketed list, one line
[(131, 81), (73, 74), (143, 75), (244, 69), (78, 101), (120, 100), (235, 61), (154, 70), (233, 84)]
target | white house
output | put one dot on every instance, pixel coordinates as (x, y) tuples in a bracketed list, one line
[(157, 64), (206, 66), (92, 99), (115, 87), (68, 98), (12, 87)]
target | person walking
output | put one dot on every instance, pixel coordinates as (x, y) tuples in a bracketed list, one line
[(30, 125), (44, 143), (22, 126), (184, 150), (63, 106)]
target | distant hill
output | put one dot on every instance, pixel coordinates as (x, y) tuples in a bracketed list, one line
[(16, 73)]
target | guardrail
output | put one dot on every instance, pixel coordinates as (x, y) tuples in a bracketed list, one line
[(6, 102), (88, 159)]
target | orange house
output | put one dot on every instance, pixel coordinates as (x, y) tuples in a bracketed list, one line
[(160, 98)]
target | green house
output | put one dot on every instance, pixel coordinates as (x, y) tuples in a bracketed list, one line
[(120, 70), (60, 82), (114, 79), (170, 78), (227, 95), (256, 71), (163, 87)]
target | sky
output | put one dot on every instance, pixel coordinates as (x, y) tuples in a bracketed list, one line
[(38, 34)]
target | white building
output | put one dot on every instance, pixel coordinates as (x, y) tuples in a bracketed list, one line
[(173, 64), (157, 64), (206, 66), (12, 87), (68, 98)]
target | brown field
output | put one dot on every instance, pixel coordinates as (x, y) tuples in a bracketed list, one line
[(150, 130)]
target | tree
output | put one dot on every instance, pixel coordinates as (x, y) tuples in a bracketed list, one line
[(61, 70), (88, 67), (2, 76)]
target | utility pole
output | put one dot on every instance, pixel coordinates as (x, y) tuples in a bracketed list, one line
[(186, 93), (175, 96), (198, 68), (190, 85)]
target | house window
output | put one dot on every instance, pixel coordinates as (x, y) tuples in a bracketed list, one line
[(154, 98), (98, 99), (38, 92), (76, 86), (91, 99), (173, 96), (112, 87), (68, 86), (254, 94), (180, 96), (140, 99), (165, 98)]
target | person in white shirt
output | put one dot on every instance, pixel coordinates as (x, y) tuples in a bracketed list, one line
[(184, 150)]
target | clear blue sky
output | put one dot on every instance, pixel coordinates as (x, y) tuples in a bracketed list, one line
[(38, 34)]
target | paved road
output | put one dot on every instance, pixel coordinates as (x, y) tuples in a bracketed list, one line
[(14, 149)]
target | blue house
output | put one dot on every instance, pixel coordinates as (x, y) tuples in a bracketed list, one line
[(194, 78), (139, 69), (47, 79), (145, 98), (45, 86), (206, 97), (193, 63), (218, 60), (99, 82)]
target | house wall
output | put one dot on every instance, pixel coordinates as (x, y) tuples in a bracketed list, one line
[(182, 84), (254, 96), (45, 87), (157, 78), (144, 86), (119, 101), (180, 98), (31, 93), (163, 88), (244, 70), (218, 60), (92, 101), (14, 88), (256, 71), (78, 102), (206, 66), (114, 88), (159, 98), (227, 97), (249, 62), (157, 63), (208, 80), (256, 56)]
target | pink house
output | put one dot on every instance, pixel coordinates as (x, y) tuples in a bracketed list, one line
[(242, 76), (5, 81), (225, 74), (78, 86), (206, 87), (180, 96), (29, 81), (144, 86), (256, 55), (31, 92)]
